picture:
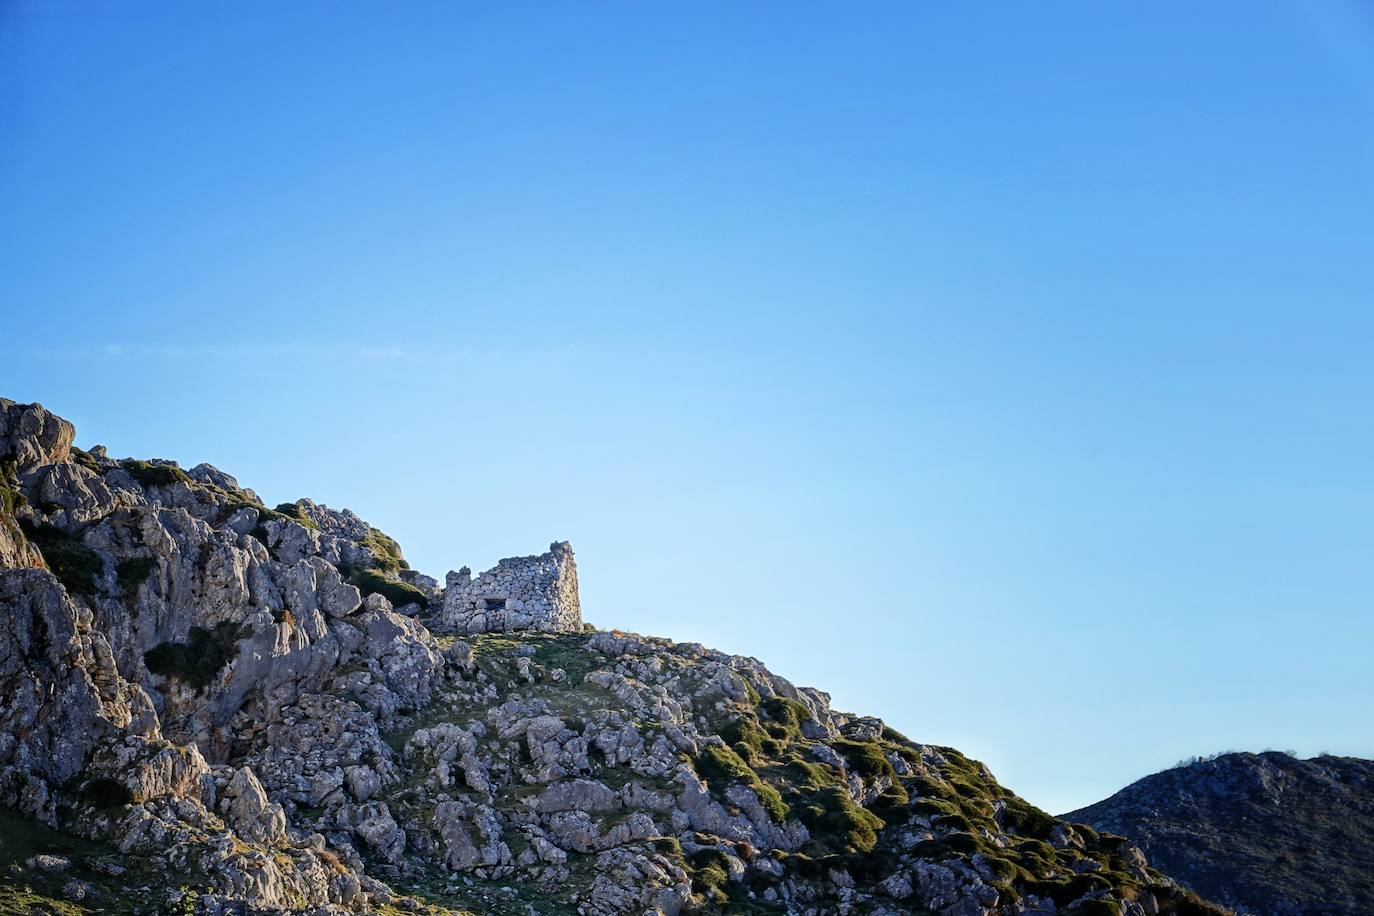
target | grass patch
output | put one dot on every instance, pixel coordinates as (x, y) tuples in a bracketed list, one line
[(892, 804), (838, 824), (804, 774), (26, 892), (934, 807), (751, 692), (668, 846), (1066, 890), (709, 874), (86, 460), (865, 758), (949, 846), (377, 582), (711, 879), (1025, 819), (748, 739), (385, 550), (296, 513), (721, 764), (755, 740), (567, 652), (787, 717), (154, 475)]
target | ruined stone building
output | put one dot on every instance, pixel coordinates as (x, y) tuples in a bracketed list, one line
[(520, 593)]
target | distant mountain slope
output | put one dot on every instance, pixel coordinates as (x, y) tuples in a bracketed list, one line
[(1267, 834)]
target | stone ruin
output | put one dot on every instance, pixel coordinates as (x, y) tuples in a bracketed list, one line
[(520, 593)]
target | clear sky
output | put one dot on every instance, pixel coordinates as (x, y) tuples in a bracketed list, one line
[(1005, 371)]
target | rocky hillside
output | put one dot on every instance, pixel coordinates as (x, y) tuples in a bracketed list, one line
[(1266, 834), (214, 706)]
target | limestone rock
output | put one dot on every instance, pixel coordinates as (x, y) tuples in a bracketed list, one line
[(32, 436), (250, 813), (212, 687)]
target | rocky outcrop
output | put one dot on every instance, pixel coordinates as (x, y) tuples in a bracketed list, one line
[(1265, 834), (62, 691), (32, 437), (249, 812), (269, 704)]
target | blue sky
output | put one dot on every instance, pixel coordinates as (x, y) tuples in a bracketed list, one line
[(1004, 371)]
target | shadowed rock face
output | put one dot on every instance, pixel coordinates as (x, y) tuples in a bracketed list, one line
[(201, 690), (1266, 834)]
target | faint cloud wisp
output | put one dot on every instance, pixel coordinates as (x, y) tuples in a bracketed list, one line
[(118, 350)]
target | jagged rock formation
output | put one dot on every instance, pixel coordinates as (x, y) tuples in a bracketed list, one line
[(520, 593), (201, 692), (1266, 834)]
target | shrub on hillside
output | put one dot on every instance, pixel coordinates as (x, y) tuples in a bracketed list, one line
[(73, 563), (197, 660)]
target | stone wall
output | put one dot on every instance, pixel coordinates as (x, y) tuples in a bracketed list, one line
[(521, 593)]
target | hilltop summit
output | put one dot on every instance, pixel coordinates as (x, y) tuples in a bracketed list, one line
[(214, 706)]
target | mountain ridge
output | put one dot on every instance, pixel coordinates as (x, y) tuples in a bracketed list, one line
[(1265, 834), (236, 708)]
